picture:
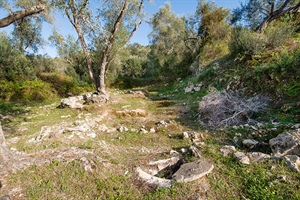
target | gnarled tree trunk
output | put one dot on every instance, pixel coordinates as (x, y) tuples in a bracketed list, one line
[(277, 14)]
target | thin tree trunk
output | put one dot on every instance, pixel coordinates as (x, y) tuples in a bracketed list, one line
[(15, 16), (101, 77), (75, 15), (86, 53)]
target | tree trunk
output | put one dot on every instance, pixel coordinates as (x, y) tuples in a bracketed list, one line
[(15, 16), (86, 53), (276, 15), (74, 19), (101, 77)]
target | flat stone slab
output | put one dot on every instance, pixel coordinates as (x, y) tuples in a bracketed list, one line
[(192, 171), (153, 180)]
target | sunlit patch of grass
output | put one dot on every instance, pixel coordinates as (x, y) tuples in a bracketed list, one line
[(231, 179)]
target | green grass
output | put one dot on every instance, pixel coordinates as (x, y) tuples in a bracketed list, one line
[(232, 180)]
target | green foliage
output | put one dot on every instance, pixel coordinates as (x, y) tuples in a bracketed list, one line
[(169, 55), (26, 91), (14, 66), (63, 84), (246, 43), (278, 33)]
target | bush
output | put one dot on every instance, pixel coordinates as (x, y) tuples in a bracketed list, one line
[(246, 43), (278, 34), (14, 66), (26, 91), (63, 84)]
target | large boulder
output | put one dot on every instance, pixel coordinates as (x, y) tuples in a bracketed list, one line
[(72, 102), (286, 143)]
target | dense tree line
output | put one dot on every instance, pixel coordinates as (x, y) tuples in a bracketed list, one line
[(179, 45)]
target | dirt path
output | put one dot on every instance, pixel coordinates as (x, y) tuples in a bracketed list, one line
[(128, 131)]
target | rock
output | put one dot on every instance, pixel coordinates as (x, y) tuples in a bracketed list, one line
[(296, 126), (153, 180), (5, 197), (242, 158), (97, 98), (250, 143), (257, 156), (72, 102), (185, 135), (173, 152), (162, 123), (227, 150), (183, 150), (195, 151), (123, 129), (281, 177), (142, 130), (189, 89), (152, 130), (286, 144), (91, 135), (103, 128), (192, 171), (161, 164), (293, 162)]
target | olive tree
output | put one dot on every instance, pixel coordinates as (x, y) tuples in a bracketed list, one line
[(260, 13), (116, 16)]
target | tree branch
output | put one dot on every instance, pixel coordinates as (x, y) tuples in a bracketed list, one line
[(15, 16)]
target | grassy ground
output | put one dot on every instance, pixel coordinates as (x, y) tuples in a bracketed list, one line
[(127, 150)]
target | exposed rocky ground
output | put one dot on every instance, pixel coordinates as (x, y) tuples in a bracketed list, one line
[(149, 142)]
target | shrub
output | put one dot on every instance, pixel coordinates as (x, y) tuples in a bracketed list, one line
[(278, 34), (246, 43), (64, 84), (26, 91)]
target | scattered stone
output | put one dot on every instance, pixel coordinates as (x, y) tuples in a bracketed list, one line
[(192, 171), (122, 129), (173, 152), (185, 135), (296, 126), (193, 88), (162, 123), (162, 164), (103, 128), (282, 177), (152, 130), (250, 143), (153, 180), (195, 151), (293, 162), (64, 117), (72, 102), (242, 158), (183, 150), (92, 135), (227, 150), (257, 156), (142, 130), (286, 144)]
